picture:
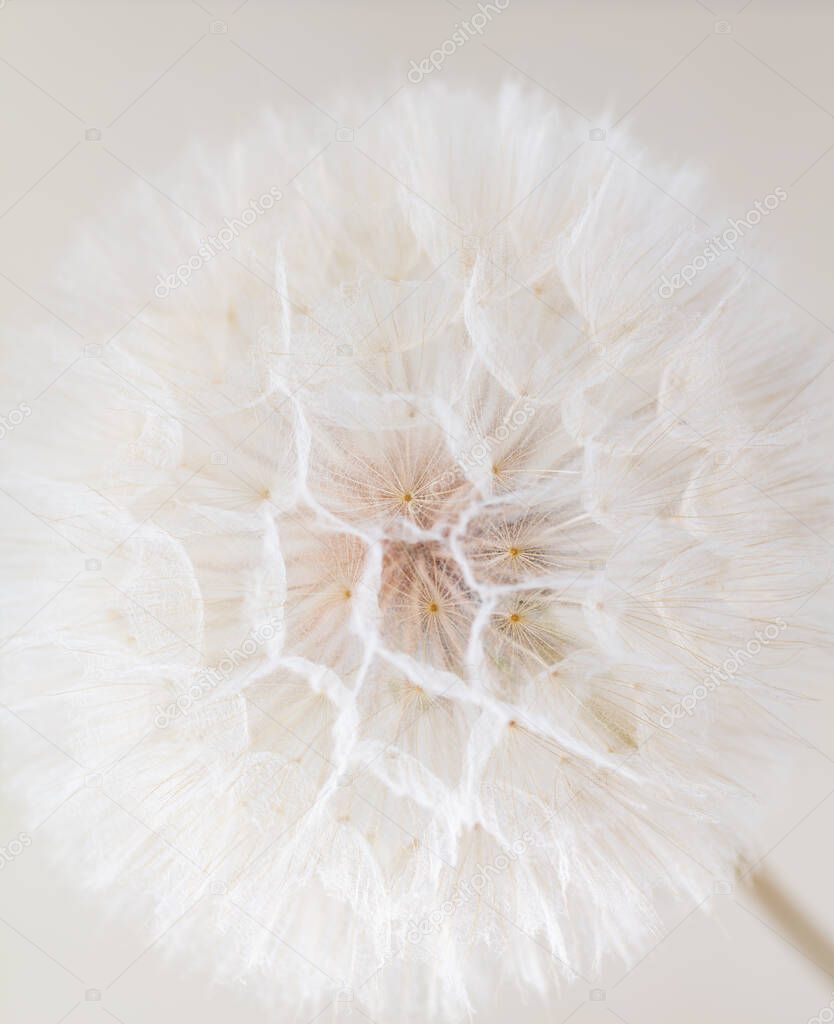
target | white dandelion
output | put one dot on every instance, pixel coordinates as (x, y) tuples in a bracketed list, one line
[(419, 514)]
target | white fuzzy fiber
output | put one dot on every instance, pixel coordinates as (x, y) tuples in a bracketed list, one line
[(417, 514)]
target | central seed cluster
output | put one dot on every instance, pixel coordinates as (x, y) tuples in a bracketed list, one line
[(474, 555)]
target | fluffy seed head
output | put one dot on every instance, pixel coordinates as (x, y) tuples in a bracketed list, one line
[(421, 517)]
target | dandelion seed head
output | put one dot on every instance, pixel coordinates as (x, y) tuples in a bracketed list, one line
[(411, 546)]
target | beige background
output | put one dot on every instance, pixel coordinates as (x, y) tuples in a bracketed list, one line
[(742, 90)]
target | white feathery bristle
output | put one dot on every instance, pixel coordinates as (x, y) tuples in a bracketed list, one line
[(427, 529)]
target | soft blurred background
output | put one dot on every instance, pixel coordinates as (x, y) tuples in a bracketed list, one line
[(102, 94)]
